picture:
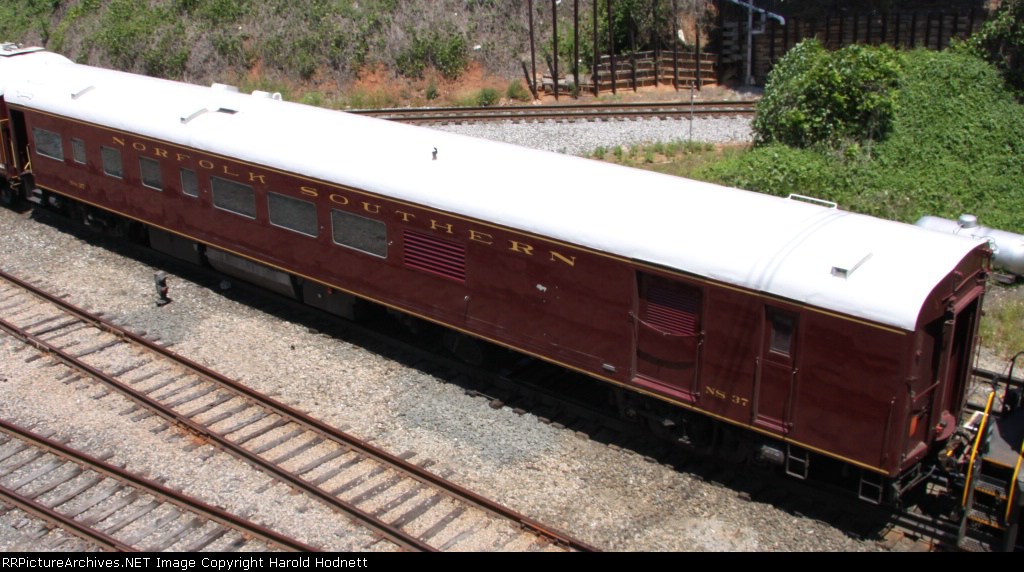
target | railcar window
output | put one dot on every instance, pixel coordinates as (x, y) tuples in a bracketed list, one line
[(78, 150), (151, 176), (293, 214), (360, 233), (234, 197), (782, 334), (189, 182), (48, 143), (112, 162)]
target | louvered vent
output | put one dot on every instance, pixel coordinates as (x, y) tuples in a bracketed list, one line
[(429, 254), (673, 311)]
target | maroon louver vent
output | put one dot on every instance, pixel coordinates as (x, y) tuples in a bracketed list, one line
[(673, 311), (429, 254)]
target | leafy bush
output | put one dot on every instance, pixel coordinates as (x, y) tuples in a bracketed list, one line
[(446, 51), (487, 97), (517, 92), (956, 145), (19, 19), (816, 97), (136, 38), (1001, 42)]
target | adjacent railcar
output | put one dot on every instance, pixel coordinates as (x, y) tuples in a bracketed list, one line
[(817, 331)]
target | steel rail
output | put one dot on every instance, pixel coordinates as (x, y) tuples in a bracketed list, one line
[(157, 490), (308, 422), (562, 112), (70, 525), (397, 536)]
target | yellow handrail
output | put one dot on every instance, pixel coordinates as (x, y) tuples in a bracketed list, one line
[(977, 443), (1013, 484)]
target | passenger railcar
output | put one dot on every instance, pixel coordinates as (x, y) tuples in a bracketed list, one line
[(815, 331)]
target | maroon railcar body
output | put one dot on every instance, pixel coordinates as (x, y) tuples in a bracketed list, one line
[(869, 394)]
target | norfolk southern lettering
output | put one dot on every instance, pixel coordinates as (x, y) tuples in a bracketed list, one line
[(352, 201)]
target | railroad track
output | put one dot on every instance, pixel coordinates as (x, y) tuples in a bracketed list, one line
[(572, 112), (115, 509), (398, 500)]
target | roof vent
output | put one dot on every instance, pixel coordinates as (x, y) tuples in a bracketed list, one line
[(849, 263), (82, 92), (193, 115), (224, 87)]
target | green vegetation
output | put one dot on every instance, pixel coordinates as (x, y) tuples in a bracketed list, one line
[(135, 36), (1001, 42), (675, 157), (1001, 329), (19, 19), (219, 39), (487, 97), (833, 99), (446, 51), (517, 91), (955, 145)]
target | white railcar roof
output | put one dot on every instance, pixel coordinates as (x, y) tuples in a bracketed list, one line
[(839, 261)]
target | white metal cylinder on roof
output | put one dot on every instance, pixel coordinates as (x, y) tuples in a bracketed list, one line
[(1007, 247)]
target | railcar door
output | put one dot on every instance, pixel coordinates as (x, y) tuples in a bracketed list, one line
[(776, 374), (933, 410), (18, 142), (668, 336)]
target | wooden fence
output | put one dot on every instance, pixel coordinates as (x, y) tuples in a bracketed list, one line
[(901, 29)]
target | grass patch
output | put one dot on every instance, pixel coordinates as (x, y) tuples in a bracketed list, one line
[(517, 91), (680, 158), (1002, 326)]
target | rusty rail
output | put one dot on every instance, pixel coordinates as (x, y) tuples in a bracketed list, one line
[(151, 487), (587, 112), (314, 425)]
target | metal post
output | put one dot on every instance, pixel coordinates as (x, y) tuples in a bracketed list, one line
[(576, 49), (533, 54), (632, 47), (675, 44), (657, 51), (938, 31), (885, 26), (747, 79), (597, 55), (529, 82), (554, 31), (699, 60), (611, 46)]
